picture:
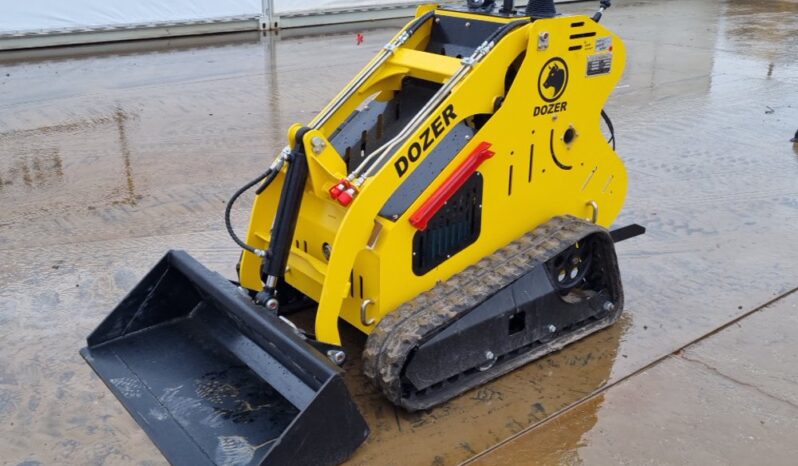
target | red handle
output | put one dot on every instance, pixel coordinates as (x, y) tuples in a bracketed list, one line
[(433, 204)]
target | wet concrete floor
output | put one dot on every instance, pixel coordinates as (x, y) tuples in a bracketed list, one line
[(731, 398), (109, 156)]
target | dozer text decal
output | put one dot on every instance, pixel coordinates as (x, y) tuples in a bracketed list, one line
[(425, 140), (550, 108)]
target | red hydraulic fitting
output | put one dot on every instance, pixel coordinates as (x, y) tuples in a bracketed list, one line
[(337, 189), (346, 197)]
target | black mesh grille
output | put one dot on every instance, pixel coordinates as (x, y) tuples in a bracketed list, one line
[(455, 226)]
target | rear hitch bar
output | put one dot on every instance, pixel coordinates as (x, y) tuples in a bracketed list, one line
[(627, 232)]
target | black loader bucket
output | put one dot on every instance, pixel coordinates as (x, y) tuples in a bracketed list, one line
[(213, 379)]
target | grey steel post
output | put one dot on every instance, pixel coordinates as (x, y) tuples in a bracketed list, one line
[(267, 16)]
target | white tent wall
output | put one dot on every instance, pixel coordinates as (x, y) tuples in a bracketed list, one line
[(38, 15), (294, 6), (43, 15), (39, 23)]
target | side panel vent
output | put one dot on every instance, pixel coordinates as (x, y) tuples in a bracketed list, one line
[(454, 227)]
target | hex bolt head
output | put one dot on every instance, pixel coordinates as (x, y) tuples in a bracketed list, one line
[(318, 144), (489, 355), (551, 328), (336, 356), (609, 306)]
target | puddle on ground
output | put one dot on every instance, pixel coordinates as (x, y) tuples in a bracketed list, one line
[(729, 399), (486, 415)]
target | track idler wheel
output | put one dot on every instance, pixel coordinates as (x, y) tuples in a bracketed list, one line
[(570, 267)]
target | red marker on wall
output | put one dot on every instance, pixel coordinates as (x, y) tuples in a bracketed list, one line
[(359, 38)]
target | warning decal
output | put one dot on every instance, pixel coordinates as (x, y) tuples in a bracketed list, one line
[(603, 43)]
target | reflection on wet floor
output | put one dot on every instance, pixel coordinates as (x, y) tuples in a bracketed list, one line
[(37, 168), (35, 163), (484, 416), (147, 129), (110, 156), (124, 146), (731, 398)]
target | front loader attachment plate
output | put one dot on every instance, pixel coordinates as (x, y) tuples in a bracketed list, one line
[(214, 379)]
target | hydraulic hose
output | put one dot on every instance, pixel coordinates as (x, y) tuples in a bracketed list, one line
[(610, 127), (267, 177)]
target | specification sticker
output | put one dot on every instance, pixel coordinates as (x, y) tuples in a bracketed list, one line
[(599, 64), (603, 43)]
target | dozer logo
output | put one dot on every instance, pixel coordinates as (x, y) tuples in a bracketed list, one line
[(425, 140), (552, 81)]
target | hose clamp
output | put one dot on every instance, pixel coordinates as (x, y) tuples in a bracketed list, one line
[(278, 162)]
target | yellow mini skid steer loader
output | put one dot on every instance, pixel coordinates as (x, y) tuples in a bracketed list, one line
[(452, 203)]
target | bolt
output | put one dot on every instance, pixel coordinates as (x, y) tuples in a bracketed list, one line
[(326, 249), (543, 41), (318, 144), (552, 328), (489, 355), (272, 304), (336, 356), (609, 307)]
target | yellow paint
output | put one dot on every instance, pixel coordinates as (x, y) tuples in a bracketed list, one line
[(383, 274)]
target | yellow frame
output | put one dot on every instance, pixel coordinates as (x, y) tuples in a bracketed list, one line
[(376, 252)]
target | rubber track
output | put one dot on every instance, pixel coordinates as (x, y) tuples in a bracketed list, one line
[(398, 333)]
